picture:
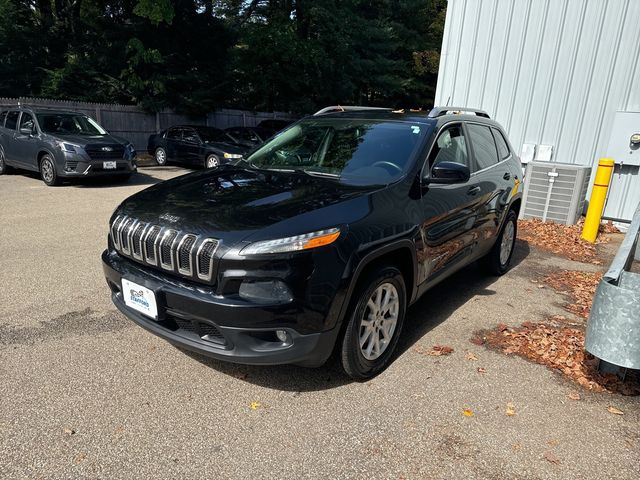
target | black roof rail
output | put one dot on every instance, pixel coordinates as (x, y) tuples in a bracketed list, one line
[(349, 108), (440, 111)]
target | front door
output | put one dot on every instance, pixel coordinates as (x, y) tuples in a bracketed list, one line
[(450, 212), (192, 147), (26, 141)]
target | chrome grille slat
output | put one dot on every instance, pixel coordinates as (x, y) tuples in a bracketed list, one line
[(166, 253), (123, 233), (164, 247), (136, 240), (184, 254), (204, 258), (149, 245)]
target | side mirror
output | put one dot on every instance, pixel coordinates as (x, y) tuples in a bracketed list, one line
[(449, 172), (26, 131)]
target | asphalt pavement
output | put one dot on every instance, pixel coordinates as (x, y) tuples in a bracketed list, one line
[(84, 393)]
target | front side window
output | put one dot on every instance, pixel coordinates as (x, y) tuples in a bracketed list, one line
[(174, 134), (12, 120), (362, 152), (190, 136), (451, 146), (69, 124), (210, 134), (3, 115), (484, 147), (26, 121)]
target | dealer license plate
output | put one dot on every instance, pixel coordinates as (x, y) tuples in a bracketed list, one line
[(109, 165), (139, 298)]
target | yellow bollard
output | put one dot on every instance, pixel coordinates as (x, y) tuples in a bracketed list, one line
[(596, 202)]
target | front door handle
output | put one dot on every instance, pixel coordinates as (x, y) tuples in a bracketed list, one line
[(507, 176), (473, 190)]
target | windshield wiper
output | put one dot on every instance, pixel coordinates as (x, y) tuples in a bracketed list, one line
[(313, 173)]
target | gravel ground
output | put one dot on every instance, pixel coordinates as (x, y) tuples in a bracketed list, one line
[(85, 393)]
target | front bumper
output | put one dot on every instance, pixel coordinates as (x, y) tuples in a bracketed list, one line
[(194, 318), (84, 169)]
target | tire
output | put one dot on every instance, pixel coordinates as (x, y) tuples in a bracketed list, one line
[(48, 171), (4, 168), (161, 156), (362, 362), (498, 260), (212, 161)]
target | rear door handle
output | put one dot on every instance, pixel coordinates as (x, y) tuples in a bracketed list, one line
[(473, 190), (507, 176)]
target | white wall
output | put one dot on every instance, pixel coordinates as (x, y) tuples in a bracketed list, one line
[(552, 72)]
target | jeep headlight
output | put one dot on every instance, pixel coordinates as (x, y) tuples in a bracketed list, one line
[(306, 241)]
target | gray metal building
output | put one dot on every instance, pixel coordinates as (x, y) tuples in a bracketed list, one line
[(553, 73)]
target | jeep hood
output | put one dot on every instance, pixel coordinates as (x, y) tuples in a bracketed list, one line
[(233, 203)]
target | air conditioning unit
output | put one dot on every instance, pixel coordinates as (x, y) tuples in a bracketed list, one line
[(555, 191)]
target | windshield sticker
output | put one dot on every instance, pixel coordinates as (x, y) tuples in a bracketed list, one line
[(415, 129)]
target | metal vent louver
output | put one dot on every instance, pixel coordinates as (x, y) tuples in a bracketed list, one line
[(555, 191)]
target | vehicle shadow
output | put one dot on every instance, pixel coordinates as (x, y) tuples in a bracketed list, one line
[(433, 308)]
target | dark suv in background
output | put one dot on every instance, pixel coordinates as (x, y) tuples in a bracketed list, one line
[(61, 144), (320, 239)]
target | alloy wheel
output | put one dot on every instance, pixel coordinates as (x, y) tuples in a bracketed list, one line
[(379, 321), (506, 246), (47, 170)]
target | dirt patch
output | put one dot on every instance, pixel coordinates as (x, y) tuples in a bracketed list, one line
[(563, 240), (560, 348), (580, 286)]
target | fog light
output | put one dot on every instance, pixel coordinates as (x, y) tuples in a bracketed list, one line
[(265, 291), (282, 335)]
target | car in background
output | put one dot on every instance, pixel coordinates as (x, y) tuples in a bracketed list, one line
[(274, 125), (61, 144), (249, 136), (208, 147), (320, 239)]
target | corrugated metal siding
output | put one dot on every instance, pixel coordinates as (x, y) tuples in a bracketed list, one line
[(552, 72)]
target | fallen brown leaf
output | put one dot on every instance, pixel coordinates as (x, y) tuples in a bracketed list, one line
[(574, 396), (482, 370), (471, 356), (551, 457), (511, 410), (614, 410), (580, 286)]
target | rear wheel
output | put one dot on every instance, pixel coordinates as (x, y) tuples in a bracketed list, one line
[(48, 171), (499, 257), (161, 156), (375, 323), (4, 168), (212, 161)]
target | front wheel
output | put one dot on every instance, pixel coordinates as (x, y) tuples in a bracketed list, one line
[(48, 171), (212, 161), (498, 260), (374, 324)]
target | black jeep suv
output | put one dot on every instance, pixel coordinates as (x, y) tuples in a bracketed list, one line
[(61, 144), (318, 240)]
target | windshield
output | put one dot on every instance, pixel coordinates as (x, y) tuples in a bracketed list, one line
[(213, 135), (364, 152), (69, 124)]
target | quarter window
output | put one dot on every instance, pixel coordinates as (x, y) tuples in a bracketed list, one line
[(484, 146), (12, 120), (451, 146), (503, 149)]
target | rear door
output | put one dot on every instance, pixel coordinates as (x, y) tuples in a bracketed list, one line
[(26, 144), (10, 126), (450, 212), (173, 140), (494, 179), (192, 147)]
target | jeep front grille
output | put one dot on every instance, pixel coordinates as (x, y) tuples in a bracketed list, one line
[(164, 248)]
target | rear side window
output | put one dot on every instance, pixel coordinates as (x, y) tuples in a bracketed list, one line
[(3, 115), (190, 135), (484, 145), (503, 149), (12, 120), (451, 146)]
